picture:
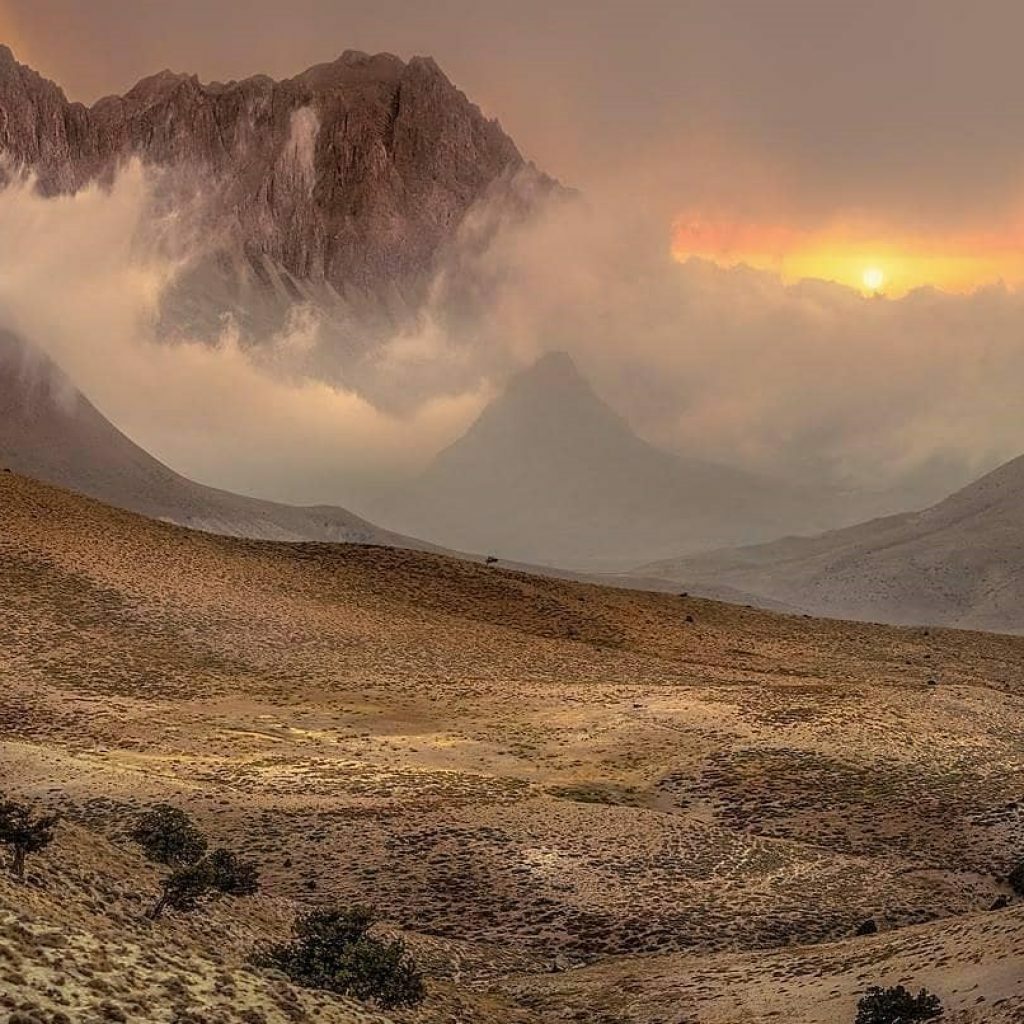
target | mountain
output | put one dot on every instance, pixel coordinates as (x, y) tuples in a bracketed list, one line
[(338, 187), (550, 473), (50, 431), (958, 563)]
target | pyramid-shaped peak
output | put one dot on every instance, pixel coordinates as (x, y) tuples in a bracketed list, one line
[(551, 401), (552, 394), (553, 369)]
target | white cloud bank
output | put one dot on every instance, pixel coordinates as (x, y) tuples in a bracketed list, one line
[(811, 380), (72, 282)]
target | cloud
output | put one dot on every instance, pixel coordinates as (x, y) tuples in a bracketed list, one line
[(75, 281), (815, 381), (810, 379)]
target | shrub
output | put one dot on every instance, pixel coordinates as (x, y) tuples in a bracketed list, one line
[(1016, 879), (169, 836), (333, 950), (24, 833), (233, 875), (897, 1006), (219, 872)]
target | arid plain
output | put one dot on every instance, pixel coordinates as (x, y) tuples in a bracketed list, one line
[(576, 803)]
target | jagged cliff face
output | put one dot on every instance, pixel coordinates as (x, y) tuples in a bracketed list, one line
[(339, 185)]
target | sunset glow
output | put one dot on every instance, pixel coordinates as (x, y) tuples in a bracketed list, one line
[(856, 256), (873, 278)]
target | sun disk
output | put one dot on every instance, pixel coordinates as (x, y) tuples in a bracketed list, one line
[(873, 278)]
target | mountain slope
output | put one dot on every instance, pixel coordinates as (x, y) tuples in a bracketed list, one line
[(550, 474), (50, 431), (511, 769), (960, 562)]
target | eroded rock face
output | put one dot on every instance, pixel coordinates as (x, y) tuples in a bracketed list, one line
[(339, 185)]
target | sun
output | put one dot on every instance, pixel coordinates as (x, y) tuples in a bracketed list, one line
[(873, 278)]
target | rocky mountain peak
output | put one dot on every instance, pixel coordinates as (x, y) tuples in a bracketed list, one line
[(153, 88), (354, 66), (337, 187)]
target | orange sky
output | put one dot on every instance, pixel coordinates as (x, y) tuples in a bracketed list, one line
[(857, 254)]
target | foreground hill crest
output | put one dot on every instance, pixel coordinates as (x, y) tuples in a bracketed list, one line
[(512, 769)]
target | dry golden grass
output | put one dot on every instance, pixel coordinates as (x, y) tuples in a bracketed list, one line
[(517, 769)]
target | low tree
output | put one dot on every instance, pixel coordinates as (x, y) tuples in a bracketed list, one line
[(333, 950), (897, 1006), (183, 888), (169, 836), (24, 832), (218, 873)]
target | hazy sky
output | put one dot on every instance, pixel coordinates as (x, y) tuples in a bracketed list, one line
[(808, 138), (908, 111)]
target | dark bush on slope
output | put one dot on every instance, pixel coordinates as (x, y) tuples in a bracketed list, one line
[(333, 950)]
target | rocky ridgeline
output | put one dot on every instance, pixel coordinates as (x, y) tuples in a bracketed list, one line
[(341, 182)]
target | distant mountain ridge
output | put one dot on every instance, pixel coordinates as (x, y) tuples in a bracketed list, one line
[(338, 187), (957, 563), (550, 474), (51, 432)]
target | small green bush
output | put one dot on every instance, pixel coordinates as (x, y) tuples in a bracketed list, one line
[(233, 875), (24, 833), (333, 950), (897, 1006), (219, 872)]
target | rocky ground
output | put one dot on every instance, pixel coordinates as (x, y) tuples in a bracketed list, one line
[(576, 803)]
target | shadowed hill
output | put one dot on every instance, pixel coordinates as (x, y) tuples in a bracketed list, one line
[(50, 431), (958, 563)]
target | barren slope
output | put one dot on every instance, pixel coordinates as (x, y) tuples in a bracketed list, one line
[(958, 563), (49, 430), (517, 769)]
